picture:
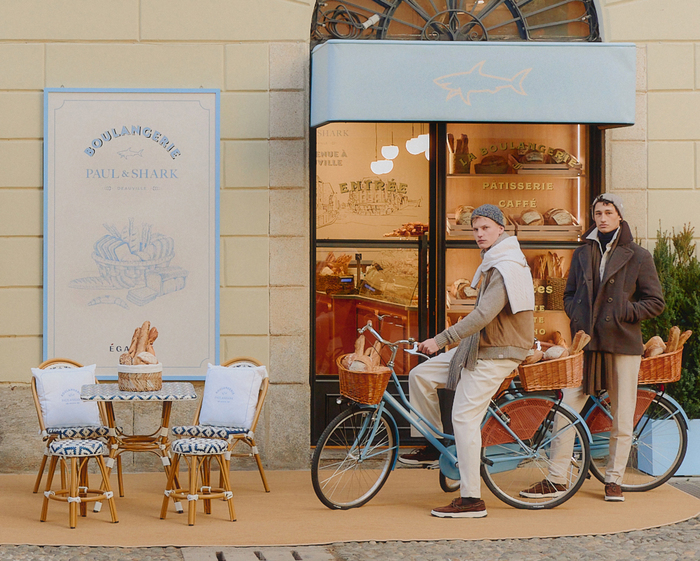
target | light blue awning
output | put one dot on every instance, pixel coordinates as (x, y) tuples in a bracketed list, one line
[(473, 82)]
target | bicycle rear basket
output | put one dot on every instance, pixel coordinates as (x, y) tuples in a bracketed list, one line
[(363, 387), (661, 369), (555, 374)]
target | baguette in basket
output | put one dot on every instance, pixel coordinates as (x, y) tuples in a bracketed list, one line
[(361, 376)]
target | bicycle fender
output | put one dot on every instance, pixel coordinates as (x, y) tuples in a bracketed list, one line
[(678, 406)]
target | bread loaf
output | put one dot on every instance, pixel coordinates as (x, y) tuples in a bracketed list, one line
[(531, 218), (533, 357), (555, 352), (558, 217), (654, 346), (581, 339), (463, 215), (674, 336), (684, 337)]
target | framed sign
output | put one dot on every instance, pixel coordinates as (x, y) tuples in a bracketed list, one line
[(131, 225)]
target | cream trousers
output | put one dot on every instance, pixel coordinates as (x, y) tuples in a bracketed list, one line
[(472, 396), (623, 402)]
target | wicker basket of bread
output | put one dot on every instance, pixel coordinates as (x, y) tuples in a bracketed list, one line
[(662, 359), (139, 369), (362, 378), (555, 366)]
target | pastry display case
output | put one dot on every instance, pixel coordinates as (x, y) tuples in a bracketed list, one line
[(537, 175)]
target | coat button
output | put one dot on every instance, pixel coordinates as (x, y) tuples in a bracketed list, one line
[(607, 318), (578, 301), (612, 281), (610, 299)]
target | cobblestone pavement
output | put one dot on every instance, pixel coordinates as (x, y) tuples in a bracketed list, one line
[(669, 543)]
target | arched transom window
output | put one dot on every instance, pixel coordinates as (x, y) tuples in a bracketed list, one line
[(456, 20)]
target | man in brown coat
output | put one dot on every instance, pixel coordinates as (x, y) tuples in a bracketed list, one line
[(612, 287)]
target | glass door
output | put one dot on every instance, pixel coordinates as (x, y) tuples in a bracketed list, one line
[(372, 216)]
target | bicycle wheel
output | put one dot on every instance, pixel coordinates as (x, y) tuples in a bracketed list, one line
[(659, 442), (551, 441), (354, 457)]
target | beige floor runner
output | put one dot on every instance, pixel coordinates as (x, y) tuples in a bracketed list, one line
[(292, 515)]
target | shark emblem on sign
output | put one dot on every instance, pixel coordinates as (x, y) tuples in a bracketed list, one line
[(464, 84), (129, 153)]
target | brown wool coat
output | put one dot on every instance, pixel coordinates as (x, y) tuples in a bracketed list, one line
[(629, 293)]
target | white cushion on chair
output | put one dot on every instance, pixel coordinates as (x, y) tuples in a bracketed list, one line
[(206, 431), (198, 446), (231, 395), (59, 396), (77, 448)]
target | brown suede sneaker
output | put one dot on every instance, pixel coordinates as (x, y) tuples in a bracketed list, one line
[(456, 509), (613, 492), (544, 489)]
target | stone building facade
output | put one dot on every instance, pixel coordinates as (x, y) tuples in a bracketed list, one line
[(257, 54)]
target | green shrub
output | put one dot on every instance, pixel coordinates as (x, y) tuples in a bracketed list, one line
[(679, 273)]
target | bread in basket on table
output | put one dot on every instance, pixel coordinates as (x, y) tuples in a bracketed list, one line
[(139, 369)]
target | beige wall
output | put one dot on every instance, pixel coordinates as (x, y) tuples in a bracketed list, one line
[(654, 165), (257, 54)]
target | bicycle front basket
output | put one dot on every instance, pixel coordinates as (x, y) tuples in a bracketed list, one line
[(363, 387)]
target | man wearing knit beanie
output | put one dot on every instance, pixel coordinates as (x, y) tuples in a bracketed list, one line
[(612, 287), (492, 341)]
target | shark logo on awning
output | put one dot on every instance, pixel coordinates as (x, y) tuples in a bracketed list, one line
[(464, 84)]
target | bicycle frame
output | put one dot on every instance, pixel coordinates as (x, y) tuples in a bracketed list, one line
[(425, 427)]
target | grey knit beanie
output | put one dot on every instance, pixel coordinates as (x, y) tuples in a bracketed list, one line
[(609, 198), (490, 211)]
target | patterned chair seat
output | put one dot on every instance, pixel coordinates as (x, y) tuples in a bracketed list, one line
[(79, 432), (198, 446), (77, 448), (207, 431)]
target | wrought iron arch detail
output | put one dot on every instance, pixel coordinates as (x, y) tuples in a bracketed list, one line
[(456, 20)]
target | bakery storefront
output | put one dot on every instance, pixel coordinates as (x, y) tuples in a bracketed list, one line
[(408, 137)]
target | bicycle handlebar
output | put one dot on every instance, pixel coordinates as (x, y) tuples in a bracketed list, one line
[(410, 341)]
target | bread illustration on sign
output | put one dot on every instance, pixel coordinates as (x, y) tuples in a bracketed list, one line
[(137, 259)]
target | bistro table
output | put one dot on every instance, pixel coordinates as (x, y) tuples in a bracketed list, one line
[(156, 442)]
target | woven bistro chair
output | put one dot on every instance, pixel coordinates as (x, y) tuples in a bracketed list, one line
[(71, 446), (234, 435), (50, 434)]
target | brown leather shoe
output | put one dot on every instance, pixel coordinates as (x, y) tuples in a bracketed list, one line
[(460, 509), (613, 492), (544, 489)]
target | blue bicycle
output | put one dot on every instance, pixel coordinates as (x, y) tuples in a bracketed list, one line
[(358, 450)]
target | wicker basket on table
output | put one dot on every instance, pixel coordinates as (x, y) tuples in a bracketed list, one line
[(554, 374), (661, 369), (363, 387)]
